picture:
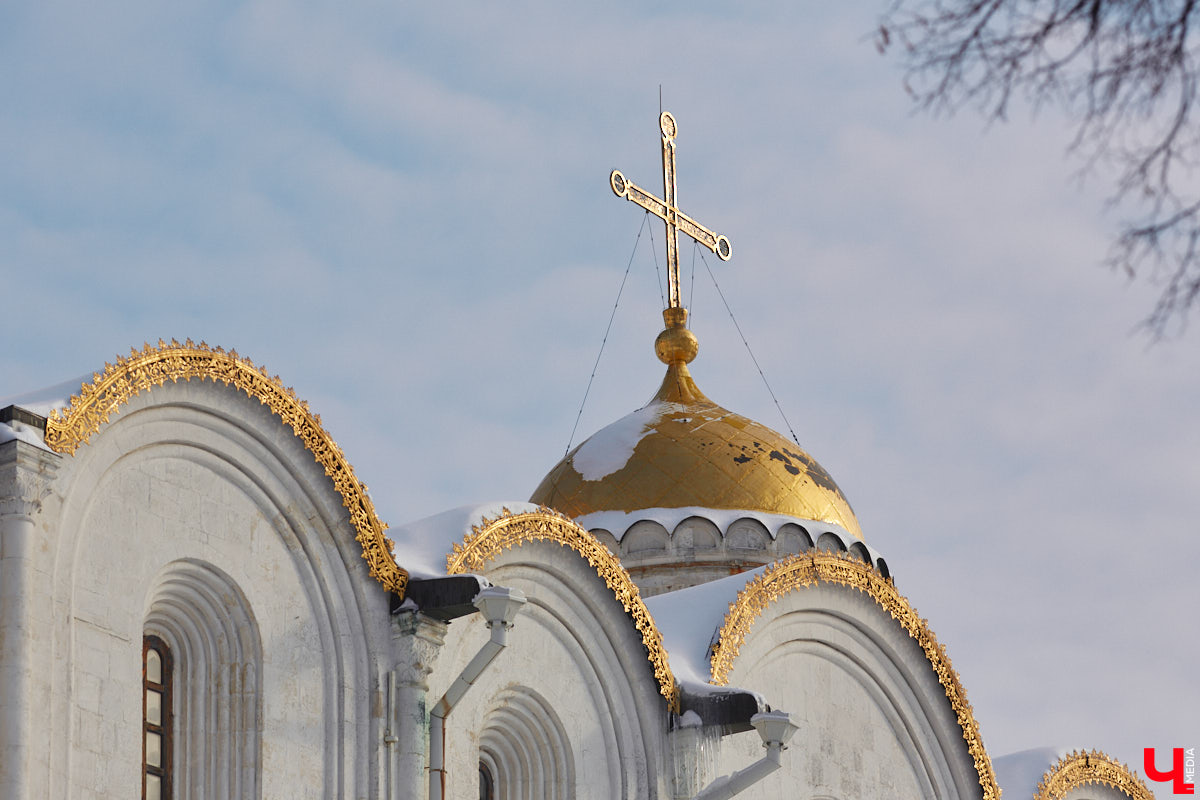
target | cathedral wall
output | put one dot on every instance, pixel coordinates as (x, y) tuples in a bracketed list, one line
[(574, 683), (194, 494), (873, 719)]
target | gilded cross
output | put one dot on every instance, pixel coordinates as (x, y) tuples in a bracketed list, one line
[(668, 210)]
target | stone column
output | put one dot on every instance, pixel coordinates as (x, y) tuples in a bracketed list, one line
[(26, 474), (417, 640), (694, 753)]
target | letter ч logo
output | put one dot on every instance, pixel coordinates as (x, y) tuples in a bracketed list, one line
[(1178, 772)]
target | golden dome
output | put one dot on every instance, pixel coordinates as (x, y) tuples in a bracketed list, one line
[(682, 449)]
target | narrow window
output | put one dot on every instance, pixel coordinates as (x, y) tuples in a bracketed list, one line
[(156, 719)]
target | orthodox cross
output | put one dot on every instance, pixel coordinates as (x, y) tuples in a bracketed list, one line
[(668, 210)]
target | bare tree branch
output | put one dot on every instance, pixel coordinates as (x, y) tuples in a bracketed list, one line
[(1125, 70)]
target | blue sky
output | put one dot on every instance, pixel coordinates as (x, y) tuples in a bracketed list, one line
[(403, 210)]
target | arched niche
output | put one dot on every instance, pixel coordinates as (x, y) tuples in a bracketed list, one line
[(645, 538), (696, 535), (525, 747), (830, 542), (791, 539), (747, 535), (607, 539)]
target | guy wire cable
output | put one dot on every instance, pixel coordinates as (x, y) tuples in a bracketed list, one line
[(604, 341), (751, 352)]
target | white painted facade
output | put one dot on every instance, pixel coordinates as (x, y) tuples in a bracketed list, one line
[(195, 515), (874, 722)]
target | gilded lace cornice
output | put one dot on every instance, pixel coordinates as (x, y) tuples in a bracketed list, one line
[(155, 365), (804, 570), (1080, 768), (493, 536)]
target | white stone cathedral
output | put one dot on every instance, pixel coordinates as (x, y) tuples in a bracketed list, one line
[(198, 600)]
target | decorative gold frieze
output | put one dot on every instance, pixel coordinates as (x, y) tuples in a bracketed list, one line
[(808, 569), (155, 365), (493, 536), (1080, 768)]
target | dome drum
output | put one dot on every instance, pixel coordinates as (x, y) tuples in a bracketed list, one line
[(665, 549)]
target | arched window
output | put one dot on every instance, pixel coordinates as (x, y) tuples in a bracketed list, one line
[(157, 744), (201, 614)]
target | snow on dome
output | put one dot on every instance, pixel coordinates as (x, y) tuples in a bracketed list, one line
[(609, 449)]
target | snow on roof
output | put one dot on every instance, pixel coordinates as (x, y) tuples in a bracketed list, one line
[(422, 546), (1020, 773), (690, 618), (609, 449), (40, 402), (697, 688), (43, 401), (26, 433)]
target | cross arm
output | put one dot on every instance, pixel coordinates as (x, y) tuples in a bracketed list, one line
[(713, 241), (631, 191), (716, 242)]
